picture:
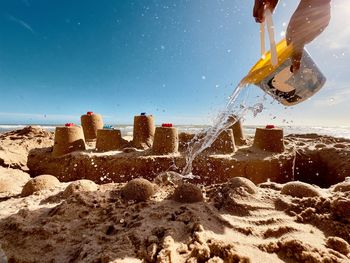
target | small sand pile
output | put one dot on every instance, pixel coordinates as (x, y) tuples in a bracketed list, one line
[(342, 187), (188, 193), (39, 183), (15, 145), (138, 190), (80, 186), (299, 189)]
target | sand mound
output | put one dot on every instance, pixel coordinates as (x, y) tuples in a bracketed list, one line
[(188, 193), (12, 181), (338, 244), (341, 207), (342, 187), (80, 186), (42, 182), (15, 145), (243, 183), (291, 249), (299, 189), (138, 190)]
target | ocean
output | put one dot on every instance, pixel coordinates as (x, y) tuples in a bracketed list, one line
[(126, 130)]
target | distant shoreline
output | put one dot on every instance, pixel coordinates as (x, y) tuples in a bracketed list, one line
[(127, 129)]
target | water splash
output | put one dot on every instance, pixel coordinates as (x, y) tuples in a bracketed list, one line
[(203, 140)]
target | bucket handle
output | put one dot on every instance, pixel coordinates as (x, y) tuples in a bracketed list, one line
[(271, 32)]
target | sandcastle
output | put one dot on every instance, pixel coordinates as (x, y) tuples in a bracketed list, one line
[(144, 129), (269, 139), (224, 144), (91, 122), (68, 139), (109, 139), (270, 157), (166, 140), (237, 130)]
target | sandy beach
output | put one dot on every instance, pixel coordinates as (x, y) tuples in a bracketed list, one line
[(165, 219)]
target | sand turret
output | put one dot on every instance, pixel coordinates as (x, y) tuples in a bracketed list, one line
[(109, 139), (237, 130), (166, 140), (68, 139), (224, 144), (91, 122), (269, 139), (144, 129)]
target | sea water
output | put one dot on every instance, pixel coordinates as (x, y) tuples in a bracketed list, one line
[(223, 121)]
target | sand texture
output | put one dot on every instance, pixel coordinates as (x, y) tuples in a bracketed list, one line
[(305, 158), (15, 145), (168, 219), (234, 222)]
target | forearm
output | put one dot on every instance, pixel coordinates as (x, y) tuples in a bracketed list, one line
[(308, 21)]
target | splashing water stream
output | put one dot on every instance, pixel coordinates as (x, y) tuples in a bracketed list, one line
[(199, 143)]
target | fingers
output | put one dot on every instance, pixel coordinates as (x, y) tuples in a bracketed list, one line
[(258, 11), (260, 6), (296, 60)]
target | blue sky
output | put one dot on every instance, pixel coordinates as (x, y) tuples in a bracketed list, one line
[(176, 59)]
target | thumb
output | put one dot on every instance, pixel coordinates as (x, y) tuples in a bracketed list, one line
[(296, 60)]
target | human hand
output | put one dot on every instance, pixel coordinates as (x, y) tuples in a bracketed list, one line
[(260, 7), (309, 21)]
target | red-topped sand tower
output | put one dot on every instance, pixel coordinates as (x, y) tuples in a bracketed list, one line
[(166, 140), (68, 139), (91, 122)]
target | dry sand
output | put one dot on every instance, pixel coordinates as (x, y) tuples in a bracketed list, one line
[(236, 221), (233, 224), (15, 145)]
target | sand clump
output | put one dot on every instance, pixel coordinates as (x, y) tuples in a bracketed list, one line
[(299, 189), (342, 187), (243, 183), (80, 186), (341, 208), (338, 244), (299, 251), (188, 193), (39, 183), (138, 190)]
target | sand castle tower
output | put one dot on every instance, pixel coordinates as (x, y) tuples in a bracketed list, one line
[(91, 122), (68, 139), (269, 139), (109, 139), (237, 129), (224, 144), (144, 129), (166, 140)]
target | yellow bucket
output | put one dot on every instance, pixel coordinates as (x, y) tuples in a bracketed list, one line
[(280, 82), (264, 68)]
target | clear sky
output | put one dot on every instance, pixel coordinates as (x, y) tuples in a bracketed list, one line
[(176, 59)]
